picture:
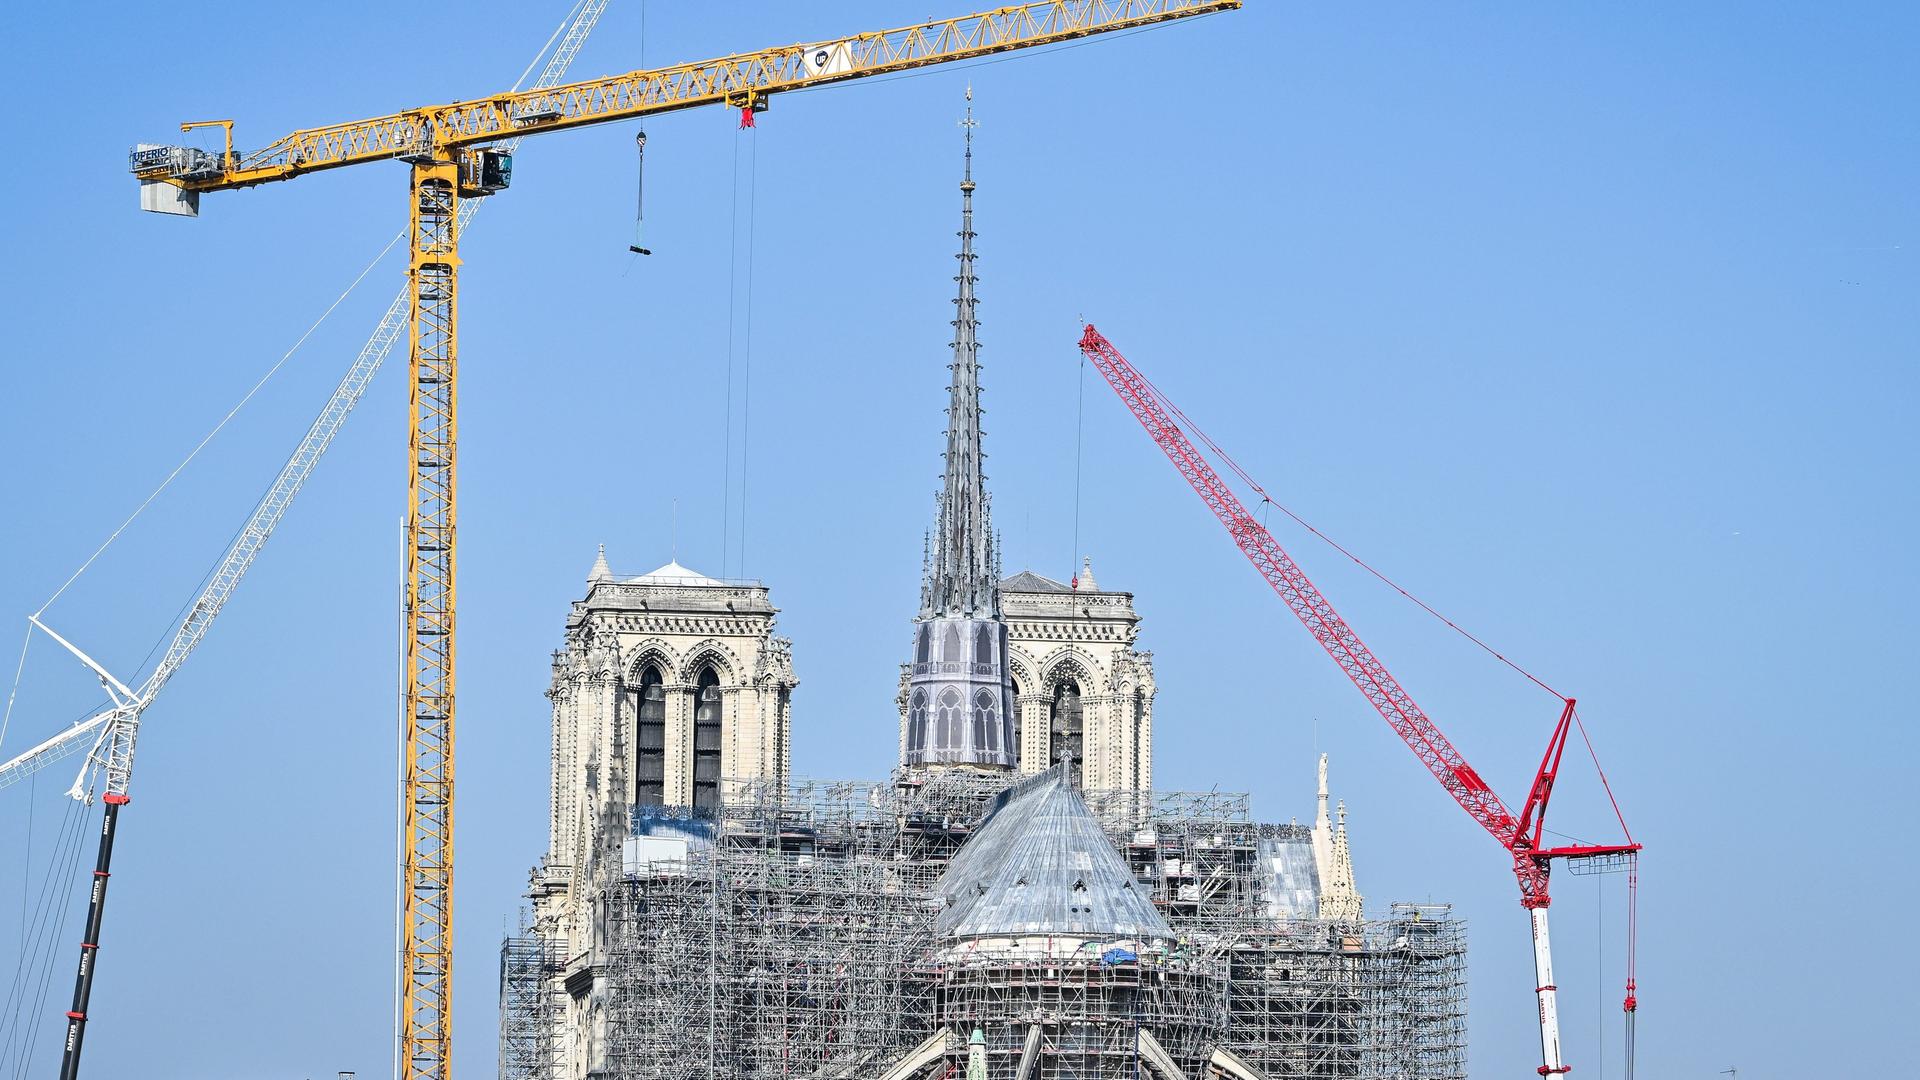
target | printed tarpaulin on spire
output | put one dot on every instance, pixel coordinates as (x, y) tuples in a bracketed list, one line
[(1040, 864)]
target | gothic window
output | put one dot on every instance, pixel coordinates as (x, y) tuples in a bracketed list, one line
[(983, 644), (950, 644), (1067, 724), (986, 721), (917, 723), (1019, 716), (650, 740), (949, 721), (923, 646), (1139, 736), (706, 740), (782, 732)]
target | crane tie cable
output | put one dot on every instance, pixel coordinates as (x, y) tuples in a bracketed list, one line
[(217, 428), (1253, 484)]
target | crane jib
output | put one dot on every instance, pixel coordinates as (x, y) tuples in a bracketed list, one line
[(742, 80), (447, 147), (1531, 864)]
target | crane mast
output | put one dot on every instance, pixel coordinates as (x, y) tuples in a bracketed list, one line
[(1520, 835), (113, 731), (455, 153)]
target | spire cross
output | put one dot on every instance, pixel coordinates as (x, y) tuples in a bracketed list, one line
[(969, 123)]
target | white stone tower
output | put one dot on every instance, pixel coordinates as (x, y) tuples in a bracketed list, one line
[(1081, 689), (682, 676)]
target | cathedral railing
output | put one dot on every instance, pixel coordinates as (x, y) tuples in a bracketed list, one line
[(955, 667)]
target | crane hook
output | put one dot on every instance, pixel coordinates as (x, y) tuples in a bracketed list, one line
[(639, 194)]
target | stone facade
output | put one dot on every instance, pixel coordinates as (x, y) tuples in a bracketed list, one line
[(681, 676), (1072, 645), (1079, 685)]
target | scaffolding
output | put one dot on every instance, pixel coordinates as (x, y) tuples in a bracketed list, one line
[(531, 1008), (1089, 1010), (797, 941)]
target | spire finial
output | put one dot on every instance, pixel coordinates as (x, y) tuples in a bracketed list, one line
[(968, 123), (601, 571)]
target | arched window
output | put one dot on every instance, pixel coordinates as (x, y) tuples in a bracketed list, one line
[(1139, 737), (706, 740), (986, 721), (1067, 725), (923, 646), (650, 739), (950, 644), (917, 723), (983, 644), (948, 720), (1019, 717)]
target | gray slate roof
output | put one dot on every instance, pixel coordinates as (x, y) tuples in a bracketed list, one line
[(1040, 864)]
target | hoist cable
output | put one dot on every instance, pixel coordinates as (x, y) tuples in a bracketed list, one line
[(1079, 428), (39, 941), (71, 875), (726, 453), (746, 346)]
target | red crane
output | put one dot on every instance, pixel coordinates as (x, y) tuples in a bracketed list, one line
[(1519, 834)]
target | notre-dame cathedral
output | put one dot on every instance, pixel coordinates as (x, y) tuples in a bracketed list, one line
[(1016, 900)]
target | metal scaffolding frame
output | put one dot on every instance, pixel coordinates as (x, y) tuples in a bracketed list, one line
[(1090, 1008), (799, 942), (532, 1004), (1384, 998)]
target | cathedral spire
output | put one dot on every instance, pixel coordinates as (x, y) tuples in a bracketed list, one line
[(956, 696), (960, 580)]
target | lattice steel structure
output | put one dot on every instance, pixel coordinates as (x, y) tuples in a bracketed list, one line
[(1091, 1009), (800, 943), (532, 1005), (426, 1009)]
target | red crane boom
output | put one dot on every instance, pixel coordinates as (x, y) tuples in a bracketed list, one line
[(1520, 835)]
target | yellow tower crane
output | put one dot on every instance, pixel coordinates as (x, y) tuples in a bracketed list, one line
[(453, 155)]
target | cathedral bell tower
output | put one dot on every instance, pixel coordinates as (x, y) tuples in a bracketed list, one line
[(957, 699)]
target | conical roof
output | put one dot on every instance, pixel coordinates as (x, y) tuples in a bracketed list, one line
[(1040, 864)]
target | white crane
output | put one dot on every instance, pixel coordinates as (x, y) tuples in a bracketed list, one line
[(111, 732)]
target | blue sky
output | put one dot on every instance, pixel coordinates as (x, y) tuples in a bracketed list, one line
[(1594, 325)]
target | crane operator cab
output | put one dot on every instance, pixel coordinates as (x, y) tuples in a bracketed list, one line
[(483, 172)]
